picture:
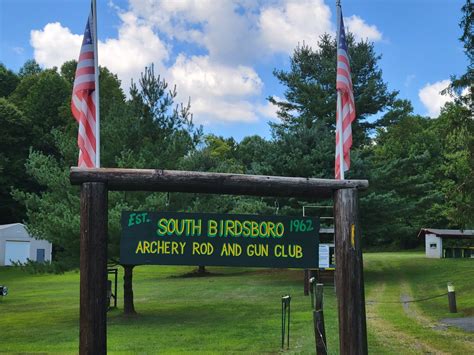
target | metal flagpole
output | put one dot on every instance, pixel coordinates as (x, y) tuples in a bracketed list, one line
[(339, 103), (96, 74), (341, 142)]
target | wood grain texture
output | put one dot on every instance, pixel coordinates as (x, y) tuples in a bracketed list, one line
[(349, 274), (318, 319), (93, 268), (213, 183)]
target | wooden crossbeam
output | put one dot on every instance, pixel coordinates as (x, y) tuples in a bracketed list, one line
[(212, 183)]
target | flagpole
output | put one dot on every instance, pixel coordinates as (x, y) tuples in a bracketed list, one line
[(338, 108), (96, 74), (341, 141)]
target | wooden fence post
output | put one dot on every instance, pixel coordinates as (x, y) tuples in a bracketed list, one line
[(306, 282), (452, 298), (349, 273), (318, 320), (93, 267)]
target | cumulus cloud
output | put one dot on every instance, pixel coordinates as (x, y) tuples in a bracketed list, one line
[(269, 110), (18, 50), (136, 47), (285, 25), (430, 96), (224, 28), (216, 90), (361, 30), (54, 44), (199, 74)]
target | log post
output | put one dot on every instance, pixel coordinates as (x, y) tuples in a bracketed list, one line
[(128, 303), (93, 267), (306, 282), (318, 320), (349, 273)]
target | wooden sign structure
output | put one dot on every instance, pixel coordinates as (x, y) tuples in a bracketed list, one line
[(95, 184), (211, 239)]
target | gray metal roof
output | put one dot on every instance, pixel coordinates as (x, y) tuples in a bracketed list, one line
[(448, 233), (6, 226)]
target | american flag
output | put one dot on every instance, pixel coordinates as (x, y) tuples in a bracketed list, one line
[(345, 103), (83, 103)]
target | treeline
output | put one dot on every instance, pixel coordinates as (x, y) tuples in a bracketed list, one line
[(420, 170)]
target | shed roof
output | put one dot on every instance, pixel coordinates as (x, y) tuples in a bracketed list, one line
[(448, 233), (6, 226)]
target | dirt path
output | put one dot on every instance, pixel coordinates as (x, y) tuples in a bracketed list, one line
[(402, 328), (392, 339)]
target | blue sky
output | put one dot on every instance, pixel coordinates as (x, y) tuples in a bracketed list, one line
[(222, 53)]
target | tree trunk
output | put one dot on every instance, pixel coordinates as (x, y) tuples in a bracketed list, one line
[(128, 306)]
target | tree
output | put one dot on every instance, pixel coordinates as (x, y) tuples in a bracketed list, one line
[(455, 128), (14, 146), (31, 67), (402, 167), (8, 81), (43, 97), (465, 81), (305, 137)]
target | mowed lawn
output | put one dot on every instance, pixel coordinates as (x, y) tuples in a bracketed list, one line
[(239, 310)]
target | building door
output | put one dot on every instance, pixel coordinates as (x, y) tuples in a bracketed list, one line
[(17, 251), (40, 255)]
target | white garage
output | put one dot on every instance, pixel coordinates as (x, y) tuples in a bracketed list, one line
[(16, 245)]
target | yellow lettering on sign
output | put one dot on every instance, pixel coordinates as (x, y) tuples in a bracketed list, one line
[(146, 246), (202, 248), (288, 251), (139, 248), (257, 250)]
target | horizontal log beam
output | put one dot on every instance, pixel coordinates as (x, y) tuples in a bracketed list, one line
[(212, 183)]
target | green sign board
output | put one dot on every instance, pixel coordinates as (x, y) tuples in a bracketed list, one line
[(171, 238)]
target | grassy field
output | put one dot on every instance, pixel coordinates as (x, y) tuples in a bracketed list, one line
[(239, 310)]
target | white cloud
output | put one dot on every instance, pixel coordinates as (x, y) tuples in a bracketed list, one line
[(136, 47), (223, 28), (216, 90), (361, 30), (54, 44), (409, 79), (269, 110), (208, 110), (292, 22), (430, 96), (18, 50), (202, 76)]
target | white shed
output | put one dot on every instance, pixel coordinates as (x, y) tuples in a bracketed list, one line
[(434, 243), (16, 244)]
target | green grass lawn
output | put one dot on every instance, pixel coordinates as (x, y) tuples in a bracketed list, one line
[(239, 310)]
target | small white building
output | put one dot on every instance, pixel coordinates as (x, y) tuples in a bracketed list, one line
[(17, 245), (434, 243)]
